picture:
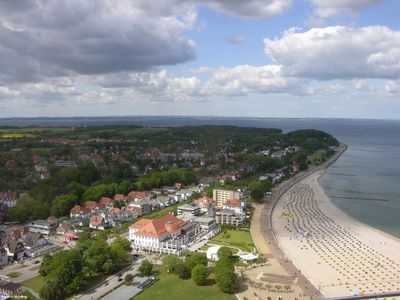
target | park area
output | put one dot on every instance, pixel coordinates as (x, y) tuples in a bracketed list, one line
[(170, 286), (234, 238)]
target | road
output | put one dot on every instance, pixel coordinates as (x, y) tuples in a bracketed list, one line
[(108, 284)]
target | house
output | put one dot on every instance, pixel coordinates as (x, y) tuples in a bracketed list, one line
[(229, 217), (235, 205), (79, 212), (144, 207), (52, 219), (206, 181), (137, 196), (32, 242), (92, 206), (9, 198), (167, 234), (15, 250), (296, 167), (43, 226), (105, 202), (189, 209), (204, 203), (119, 197), (98, 222)]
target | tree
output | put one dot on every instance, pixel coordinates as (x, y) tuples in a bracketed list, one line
[(183, 271), (196, 258), (128, 278), (61, 205), (200, 274), (50, 291), (257, 195), (171, 262), (121, 249), (45, 267), (228, 281), (225, 253), (145, 268)]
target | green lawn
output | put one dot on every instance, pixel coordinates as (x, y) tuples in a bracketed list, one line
[(34, 283), (170, 286), (235, 238)]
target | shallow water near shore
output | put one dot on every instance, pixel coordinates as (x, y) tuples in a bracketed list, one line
[(364, 182)]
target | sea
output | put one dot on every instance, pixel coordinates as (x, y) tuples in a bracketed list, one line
[(364, 182)]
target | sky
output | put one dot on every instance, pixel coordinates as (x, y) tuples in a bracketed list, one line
[(253, 58)]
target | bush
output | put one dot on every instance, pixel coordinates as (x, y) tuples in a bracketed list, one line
[(200, 274), (183, 271), (145, 268)]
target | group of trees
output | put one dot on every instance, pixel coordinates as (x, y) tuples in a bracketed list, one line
[(169, 177), (195, 266), (68, 271), (224, 270)]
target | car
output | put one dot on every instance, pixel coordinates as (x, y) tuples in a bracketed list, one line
[(120, 279), (106, 283), (36, 261)]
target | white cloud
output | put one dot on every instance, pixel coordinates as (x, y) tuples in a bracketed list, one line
[(337, 52), (245, 79), (43, 39), (393, 87), (258, 9), (334, 8)]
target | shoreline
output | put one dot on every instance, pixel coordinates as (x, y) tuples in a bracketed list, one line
[(331, 282), (264, 238)]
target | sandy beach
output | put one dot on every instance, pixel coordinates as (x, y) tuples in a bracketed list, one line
[(337, 253)]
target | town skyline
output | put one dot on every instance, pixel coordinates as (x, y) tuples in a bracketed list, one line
[(201, 58)]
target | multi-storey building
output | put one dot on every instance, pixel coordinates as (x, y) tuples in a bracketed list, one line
[(167, 234), (221, 196)]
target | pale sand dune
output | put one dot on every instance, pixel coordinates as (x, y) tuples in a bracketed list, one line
[(340, 254)]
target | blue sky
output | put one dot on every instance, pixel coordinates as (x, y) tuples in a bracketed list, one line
[(264, 58)]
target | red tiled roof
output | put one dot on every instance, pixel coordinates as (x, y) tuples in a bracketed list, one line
[(206, 201), (105, 201), (233, 202), (96, 220), (158, 227), (137, 194), (91, 205), (77, 209), (51, 219), (119, 197)]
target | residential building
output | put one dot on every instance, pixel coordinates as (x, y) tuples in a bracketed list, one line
[(79, 212), (9, 198), (207, 224), (221, 196), (98, 222), (33, 241), (229, 217), (189, 209), (43, 226), (235, 205), (15, 250), (204, 203), (138, 196), (93, 206), (167, 234), (143, 208)]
